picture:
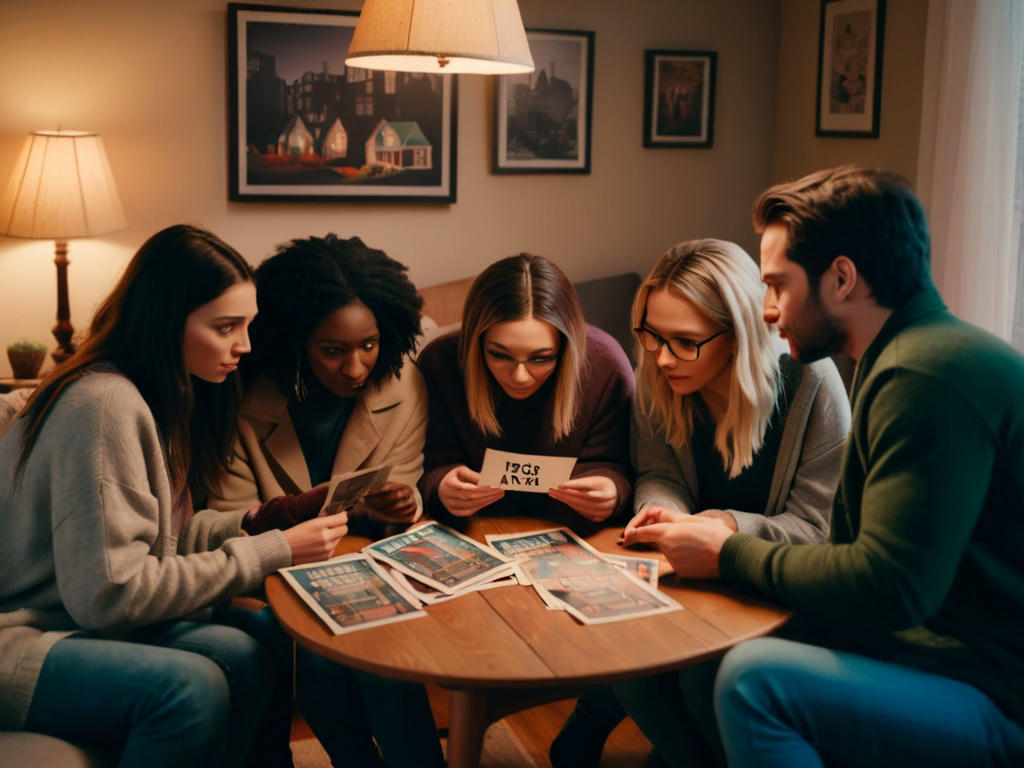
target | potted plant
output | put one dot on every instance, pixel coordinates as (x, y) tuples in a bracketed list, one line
[(26, 358)]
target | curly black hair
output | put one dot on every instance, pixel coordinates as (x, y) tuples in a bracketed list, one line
[(306, 280)]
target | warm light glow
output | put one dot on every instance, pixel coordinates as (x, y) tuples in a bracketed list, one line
[(61, 188), (441, 36)]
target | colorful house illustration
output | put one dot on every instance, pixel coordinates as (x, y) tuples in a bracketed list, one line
[(295, 138), (335, 141), (400, 144)]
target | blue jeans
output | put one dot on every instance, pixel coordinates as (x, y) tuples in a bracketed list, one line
[(782, 703), (180, 693)]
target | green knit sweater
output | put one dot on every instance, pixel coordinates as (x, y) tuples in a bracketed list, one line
[(926, 563)]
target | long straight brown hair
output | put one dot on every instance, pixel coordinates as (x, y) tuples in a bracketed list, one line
[(139, 329), (517, 288)]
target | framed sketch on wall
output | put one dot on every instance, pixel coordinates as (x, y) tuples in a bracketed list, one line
[(850, 68), (542, 119), (305, 127), (679, 98)]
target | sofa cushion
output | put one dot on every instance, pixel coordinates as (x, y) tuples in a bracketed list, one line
[(607, 302), (26, 750)]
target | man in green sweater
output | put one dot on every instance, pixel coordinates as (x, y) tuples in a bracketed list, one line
[(912, 617)]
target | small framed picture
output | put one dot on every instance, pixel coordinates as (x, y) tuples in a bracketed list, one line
[(850, 68), (679, 98), (305, 127), (542, 119)]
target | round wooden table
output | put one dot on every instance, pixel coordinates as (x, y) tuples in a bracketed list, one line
[(500, 650)]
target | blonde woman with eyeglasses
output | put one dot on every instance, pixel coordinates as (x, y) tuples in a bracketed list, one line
[(724, 426), (726, 431), (525, 374)]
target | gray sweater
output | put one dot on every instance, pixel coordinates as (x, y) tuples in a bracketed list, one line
[(806, 471), (89, 543)]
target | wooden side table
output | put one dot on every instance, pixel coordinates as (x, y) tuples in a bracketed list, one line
[(9, 384)]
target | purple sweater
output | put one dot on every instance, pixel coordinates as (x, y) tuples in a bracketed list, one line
[(599, 438)]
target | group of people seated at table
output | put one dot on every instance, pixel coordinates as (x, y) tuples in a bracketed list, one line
[(146, 482)]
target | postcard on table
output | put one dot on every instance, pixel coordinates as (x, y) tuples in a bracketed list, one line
[(351, 592), (524, 471), (520, 546), (348, 489), (644, 568), (595, 592), (440, 557)]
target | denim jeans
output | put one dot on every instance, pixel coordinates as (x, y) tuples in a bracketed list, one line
[(175, 694), (787, 704)]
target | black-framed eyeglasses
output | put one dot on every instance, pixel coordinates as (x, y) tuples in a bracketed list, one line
[(686, 350)]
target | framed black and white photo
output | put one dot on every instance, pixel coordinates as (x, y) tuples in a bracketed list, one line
[(306, 127), (679, 98), (850, 68), (542, 120)]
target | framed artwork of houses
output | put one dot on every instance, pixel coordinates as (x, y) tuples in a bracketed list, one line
[(679, 98), (850, 68), (542, 120), (305, 127)]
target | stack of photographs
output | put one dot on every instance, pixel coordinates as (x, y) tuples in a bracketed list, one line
[(570, 575), (441, 558), (424, 565), (391, 579)]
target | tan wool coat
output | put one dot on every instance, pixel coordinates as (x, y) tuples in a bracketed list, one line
[(387, 426)]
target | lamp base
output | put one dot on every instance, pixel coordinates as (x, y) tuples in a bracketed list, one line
[(63, 330), (59, 355)]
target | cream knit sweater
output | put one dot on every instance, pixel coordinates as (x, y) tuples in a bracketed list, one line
[(88, 542)]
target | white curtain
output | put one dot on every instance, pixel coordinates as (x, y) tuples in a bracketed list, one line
[(968, 162)]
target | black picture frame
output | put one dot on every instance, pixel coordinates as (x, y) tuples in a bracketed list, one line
[(679, 98), (542, 120), (851, 39), (303, 127)]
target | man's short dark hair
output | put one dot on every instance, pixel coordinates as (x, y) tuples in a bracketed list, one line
[(872, 217)]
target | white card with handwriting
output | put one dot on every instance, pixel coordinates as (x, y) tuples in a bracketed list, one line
[(524, 471)]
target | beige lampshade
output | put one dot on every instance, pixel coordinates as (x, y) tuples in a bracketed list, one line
[(483, 37), (61, 188)]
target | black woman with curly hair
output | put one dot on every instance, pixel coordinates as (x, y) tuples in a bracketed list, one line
[(329, 385), (330, 388)]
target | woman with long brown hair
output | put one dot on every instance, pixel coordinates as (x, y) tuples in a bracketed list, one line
[(526, 374), (108, 577)]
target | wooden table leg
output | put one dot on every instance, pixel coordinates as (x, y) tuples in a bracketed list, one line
[(466, 726)]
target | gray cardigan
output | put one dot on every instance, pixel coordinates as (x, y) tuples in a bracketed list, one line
[(799, 503), (89, 542)]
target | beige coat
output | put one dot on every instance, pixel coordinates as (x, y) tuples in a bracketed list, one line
[(387, 426)]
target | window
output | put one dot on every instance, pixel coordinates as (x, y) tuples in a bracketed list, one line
[(1018, 209)]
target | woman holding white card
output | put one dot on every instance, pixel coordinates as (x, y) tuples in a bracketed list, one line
[(329, 385), (524, 374)]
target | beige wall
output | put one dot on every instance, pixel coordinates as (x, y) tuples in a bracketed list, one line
[(150, 76), (797, 149)]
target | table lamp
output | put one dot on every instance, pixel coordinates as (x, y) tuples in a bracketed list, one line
[(61, 188), (484, 37)]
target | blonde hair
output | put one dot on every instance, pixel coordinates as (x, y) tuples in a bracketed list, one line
[(723, 282), (519, 288)]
